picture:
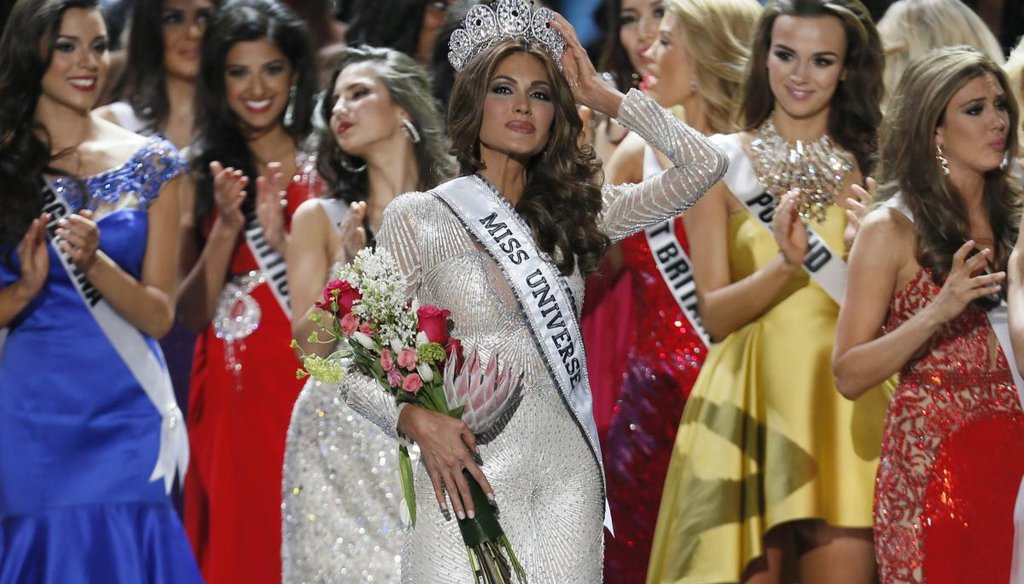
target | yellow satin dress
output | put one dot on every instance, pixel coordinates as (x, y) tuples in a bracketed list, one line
[(765, 437)]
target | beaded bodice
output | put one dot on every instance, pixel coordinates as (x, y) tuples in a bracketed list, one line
[(133, 184), (966, 346), (956, 388)]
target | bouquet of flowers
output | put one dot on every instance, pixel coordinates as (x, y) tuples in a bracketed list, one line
[(381, 333)]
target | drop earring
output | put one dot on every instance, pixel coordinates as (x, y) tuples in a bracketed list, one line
[(289, 112), (943, 163), (411, 131)]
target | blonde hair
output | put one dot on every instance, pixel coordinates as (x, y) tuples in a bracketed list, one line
[(718, 37), (911, 28), (1014, 68)]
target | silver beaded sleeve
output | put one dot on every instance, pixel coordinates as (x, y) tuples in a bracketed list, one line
[(697, 165), (363, 393)]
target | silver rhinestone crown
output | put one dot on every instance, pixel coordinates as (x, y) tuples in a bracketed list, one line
[(517, 19)]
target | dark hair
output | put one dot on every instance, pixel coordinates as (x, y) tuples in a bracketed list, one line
[(855, 113), (318, 17), (562, 195), (24, 143), (407, 83), (908, 164), (613, 59), (221, 136), (143, 85), (395, 24)]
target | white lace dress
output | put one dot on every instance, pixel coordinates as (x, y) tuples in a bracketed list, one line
[(546, 477)]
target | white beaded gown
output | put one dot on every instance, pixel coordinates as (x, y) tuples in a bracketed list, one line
[(546, 478), (341, 496)]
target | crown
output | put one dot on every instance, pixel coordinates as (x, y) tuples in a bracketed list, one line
[(516, 19)]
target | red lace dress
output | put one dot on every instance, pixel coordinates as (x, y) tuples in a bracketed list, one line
[(241, 399), (662, 364), (952, 454)]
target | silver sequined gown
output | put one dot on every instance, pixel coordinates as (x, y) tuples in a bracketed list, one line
[(546, 479), (341, 495)]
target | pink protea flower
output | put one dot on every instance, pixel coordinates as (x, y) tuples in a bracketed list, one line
[(485, 392)]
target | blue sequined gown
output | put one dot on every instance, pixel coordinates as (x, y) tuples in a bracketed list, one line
[(78, 435)]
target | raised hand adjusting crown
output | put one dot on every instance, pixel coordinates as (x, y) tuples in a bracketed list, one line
[(512, 19)]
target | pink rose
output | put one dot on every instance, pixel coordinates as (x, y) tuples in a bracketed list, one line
[(407, 358), (366, 328), (412, 384), (433, 321), (349, 324), (386, 360), (394, 378)]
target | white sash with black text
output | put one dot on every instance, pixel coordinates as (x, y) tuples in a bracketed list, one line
[(271, 264), (147, 366), (822, 264), (999, 320), (673, 263), (543, 294)]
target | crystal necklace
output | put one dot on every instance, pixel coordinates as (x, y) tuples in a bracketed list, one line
[(817, 168)]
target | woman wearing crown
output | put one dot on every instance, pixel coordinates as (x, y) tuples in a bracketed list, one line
[(505, 247)]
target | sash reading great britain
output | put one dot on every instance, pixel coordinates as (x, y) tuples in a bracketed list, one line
[(673, 262), (146, 365), (999, 321), (822, 264), (542, 291)]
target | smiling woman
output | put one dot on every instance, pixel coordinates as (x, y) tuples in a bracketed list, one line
[(769, 456), (255, 99), (91, 440)]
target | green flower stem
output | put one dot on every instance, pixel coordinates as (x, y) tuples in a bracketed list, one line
[(484, 527)]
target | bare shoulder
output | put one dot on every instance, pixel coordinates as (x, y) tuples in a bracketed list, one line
[(888, 224), (309, 213), (887, 236), (627, 160), (109, 146)]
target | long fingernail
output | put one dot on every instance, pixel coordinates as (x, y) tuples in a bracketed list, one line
[(460, 515), (492, 499), (472, 514)]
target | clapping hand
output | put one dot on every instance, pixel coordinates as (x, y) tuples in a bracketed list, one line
[(962, 287), (79, 237), (857, 206), (228, 193), (34, 255), (789, 230), (353, 235), (271, 200)]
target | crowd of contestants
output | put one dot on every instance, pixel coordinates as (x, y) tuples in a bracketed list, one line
[(759, 429)]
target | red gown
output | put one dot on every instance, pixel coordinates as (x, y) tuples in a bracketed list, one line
[(952, 454), (663, 361), (241, 399)]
